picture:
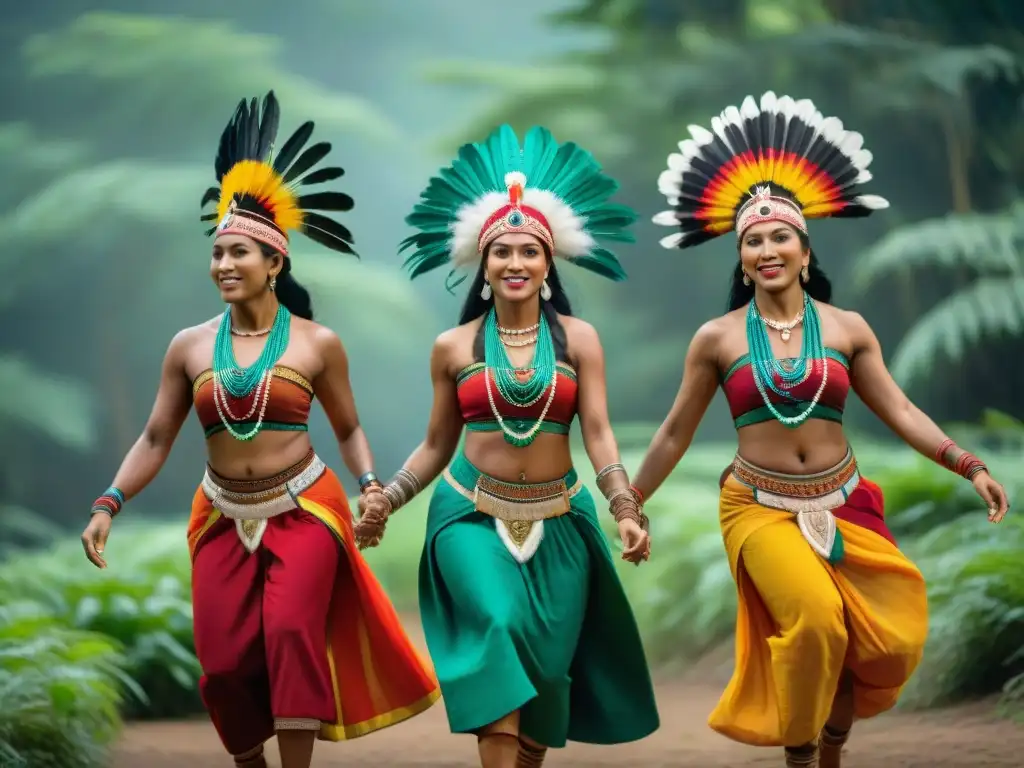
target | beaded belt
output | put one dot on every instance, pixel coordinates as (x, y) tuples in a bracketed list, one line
[(811, 498), (251, 509), (519, 510)]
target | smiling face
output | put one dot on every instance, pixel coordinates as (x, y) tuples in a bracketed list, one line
[(772, 255), (239, 268), (516, 267)]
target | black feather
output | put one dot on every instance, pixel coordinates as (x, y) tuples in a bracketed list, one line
[(268, 125), (208, 217), (307, 160), (321, 175), (327, 232), (209, 196), (326, 201), (293, 146)]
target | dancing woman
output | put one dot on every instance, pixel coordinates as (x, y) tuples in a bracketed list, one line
[(832, 616), (526, 621), (293, 632)]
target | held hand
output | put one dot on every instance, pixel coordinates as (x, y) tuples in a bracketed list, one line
[(374, 509), (636, 543), (993, 494), (94, 538)]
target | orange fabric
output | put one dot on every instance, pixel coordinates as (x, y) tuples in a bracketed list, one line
[(801, 621), (379, 678)]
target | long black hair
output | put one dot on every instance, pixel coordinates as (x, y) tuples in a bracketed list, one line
[(818, 286), (289, 291)]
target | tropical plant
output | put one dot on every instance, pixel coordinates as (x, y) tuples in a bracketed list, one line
[(60, 688), (989, 248), (142, 602)]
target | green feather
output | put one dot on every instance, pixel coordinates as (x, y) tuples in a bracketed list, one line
[(566, 170)]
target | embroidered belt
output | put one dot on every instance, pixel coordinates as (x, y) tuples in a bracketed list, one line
[(519, 510), (252, 509), (811, 498)]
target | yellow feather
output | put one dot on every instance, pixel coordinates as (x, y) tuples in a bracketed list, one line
[(262, 182)]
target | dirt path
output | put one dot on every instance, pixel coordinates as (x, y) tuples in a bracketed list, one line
[(965, 737)]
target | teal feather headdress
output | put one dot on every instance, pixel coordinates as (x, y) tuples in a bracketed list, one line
[(556, 192)]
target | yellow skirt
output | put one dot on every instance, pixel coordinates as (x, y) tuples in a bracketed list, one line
[(802, 620)]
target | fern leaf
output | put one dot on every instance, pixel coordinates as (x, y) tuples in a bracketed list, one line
[(990, 243), (986, 308)]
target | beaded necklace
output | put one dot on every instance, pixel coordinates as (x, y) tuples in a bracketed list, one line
[(767, 369), (514, 390), (230, 378)]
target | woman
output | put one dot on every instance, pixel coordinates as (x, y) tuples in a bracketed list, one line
[(292, 630), (832, 616), (525, 619)]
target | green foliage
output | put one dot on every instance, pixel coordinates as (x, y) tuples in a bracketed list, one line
[(142, 601), (60, 689), (110, 52), (991, 246), (975, 575)]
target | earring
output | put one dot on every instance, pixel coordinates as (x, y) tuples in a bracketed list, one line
[(485, 292), (273, 282), (545, 291), (746, 279), (805, 275)]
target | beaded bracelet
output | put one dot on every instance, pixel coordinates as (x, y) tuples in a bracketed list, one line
[(109, 503), (967, 465), (623, 505)]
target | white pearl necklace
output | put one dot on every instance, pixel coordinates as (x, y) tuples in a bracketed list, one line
[(785, 329), (220, 401), (800, 417)]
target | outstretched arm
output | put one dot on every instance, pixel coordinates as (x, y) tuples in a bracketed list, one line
[(874, 385), (334, 390), (700, 379)]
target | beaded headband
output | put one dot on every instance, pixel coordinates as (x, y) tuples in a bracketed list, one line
[(516, 218), (764, 206), (250, 224)]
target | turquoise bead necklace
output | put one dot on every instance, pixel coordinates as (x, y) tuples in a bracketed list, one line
[(513, 389), (767, 369), (230, 378)]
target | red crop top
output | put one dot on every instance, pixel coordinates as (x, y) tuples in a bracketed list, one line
[(748, 407), (476, 408), (291, 395)]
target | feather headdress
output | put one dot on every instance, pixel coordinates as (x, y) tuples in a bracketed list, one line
[(556, 192), (779, 160), (259, 194)]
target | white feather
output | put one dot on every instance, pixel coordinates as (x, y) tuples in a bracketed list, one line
[(515, 177), (668, 182), (666, 218), (677, 163), (469, 220), (567, 229), (874, 202), (700, 134), (672, 240)]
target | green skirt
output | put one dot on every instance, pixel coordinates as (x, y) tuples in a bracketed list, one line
[(553, 637)]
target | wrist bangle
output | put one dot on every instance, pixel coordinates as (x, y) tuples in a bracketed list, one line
[(940, 452), (110, 502), (639, 496), (367, 479)]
